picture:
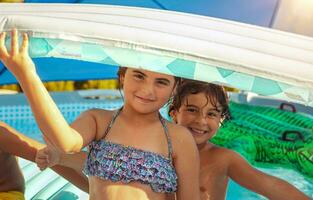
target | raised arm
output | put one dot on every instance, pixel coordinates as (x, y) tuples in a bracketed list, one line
[(269, 186), (187, 165), (49, 118), (15, 143)]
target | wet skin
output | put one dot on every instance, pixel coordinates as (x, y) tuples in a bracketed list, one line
[(217, 164)]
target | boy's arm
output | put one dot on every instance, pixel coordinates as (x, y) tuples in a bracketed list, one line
[(50, 156), (15, 143), (76, 178), (269, 186), (77, 158)]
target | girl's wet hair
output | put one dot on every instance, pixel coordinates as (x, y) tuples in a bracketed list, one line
[(122, 70), (215, 94), (121, 73)]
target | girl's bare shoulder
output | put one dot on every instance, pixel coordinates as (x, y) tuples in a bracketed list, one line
[(181, 138), (100, 113), (179, 133), (102, 118)]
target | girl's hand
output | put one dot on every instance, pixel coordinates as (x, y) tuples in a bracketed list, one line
[(47, 157), (17, 60)]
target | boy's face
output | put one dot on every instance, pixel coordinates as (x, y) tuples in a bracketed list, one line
[(199, 115)]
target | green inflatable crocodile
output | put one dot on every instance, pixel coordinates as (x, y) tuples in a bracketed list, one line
[(265, 135)]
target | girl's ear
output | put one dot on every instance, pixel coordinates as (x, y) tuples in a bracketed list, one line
[(173, 114), (122, 77)]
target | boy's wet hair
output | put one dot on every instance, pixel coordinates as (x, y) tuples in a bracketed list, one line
[(215, 93)]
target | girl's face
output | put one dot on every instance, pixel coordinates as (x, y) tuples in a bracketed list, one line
[(199, 115), (146, 91)]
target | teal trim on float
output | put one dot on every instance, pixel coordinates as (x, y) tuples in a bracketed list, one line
[(163, 64)]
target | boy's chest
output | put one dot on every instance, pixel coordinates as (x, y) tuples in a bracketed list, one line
[(213, 173), (213, 182)]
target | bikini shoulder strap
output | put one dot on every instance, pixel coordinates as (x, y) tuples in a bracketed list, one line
[(169, 141), (112, 122)]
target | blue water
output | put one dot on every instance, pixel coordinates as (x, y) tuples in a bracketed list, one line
[(21, 118), (295, 178)]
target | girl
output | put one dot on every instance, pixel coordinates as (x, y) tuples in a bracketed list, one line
[(133, 152), (201, 107)]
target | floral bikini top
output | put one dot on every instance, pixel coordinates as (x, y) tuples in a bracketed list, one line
[(117, 162)]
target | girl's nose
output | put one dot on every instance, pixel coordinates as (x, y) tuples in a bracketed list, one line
[(147, 88)]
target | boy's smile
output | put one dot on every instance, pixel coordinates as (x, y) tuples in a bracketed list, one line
[(196, 131), (200, 116)]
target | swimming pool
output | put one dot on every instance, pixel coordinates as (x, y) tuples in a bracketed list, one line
[(15, 111)]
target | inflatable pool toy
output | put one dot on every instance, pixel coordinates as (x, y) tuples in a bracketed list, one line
[(229, 53), (259, 134)]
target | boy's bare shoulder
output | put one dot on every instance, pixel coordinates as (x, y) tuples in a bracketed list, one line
[(222, 153), (218, 149)]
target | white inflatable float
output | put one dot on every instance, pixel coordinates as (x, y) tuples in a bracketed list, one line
[(251, 58)]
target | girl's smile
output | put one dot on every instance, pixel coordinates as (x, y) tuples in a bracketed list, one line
[(144, 99), (146, 91)]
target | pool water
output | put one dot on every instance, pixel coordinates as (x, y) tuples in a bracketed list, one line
[(21, 118), (235, 191), (295, 178)]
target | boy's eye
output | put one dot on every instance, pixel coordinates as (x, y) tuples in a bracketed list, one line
[(213, 114), (192, 110)]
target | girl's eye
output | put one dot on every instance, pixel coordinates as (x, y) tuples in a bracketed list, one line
[(163, 83), (138, 77)]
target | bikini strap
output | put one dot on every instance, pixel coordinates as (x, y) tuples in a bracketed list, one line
[(163, 122), (112, 122), (169, 141)]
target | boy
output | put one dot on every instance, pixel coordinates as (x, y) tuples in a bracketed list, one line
[(13, 143), (11, 178), (202, 107)]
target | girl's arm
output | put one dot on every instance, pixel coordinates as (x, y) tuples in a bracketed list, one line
[(187, 164), (49, 119), (269, 186), (15, 143)]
